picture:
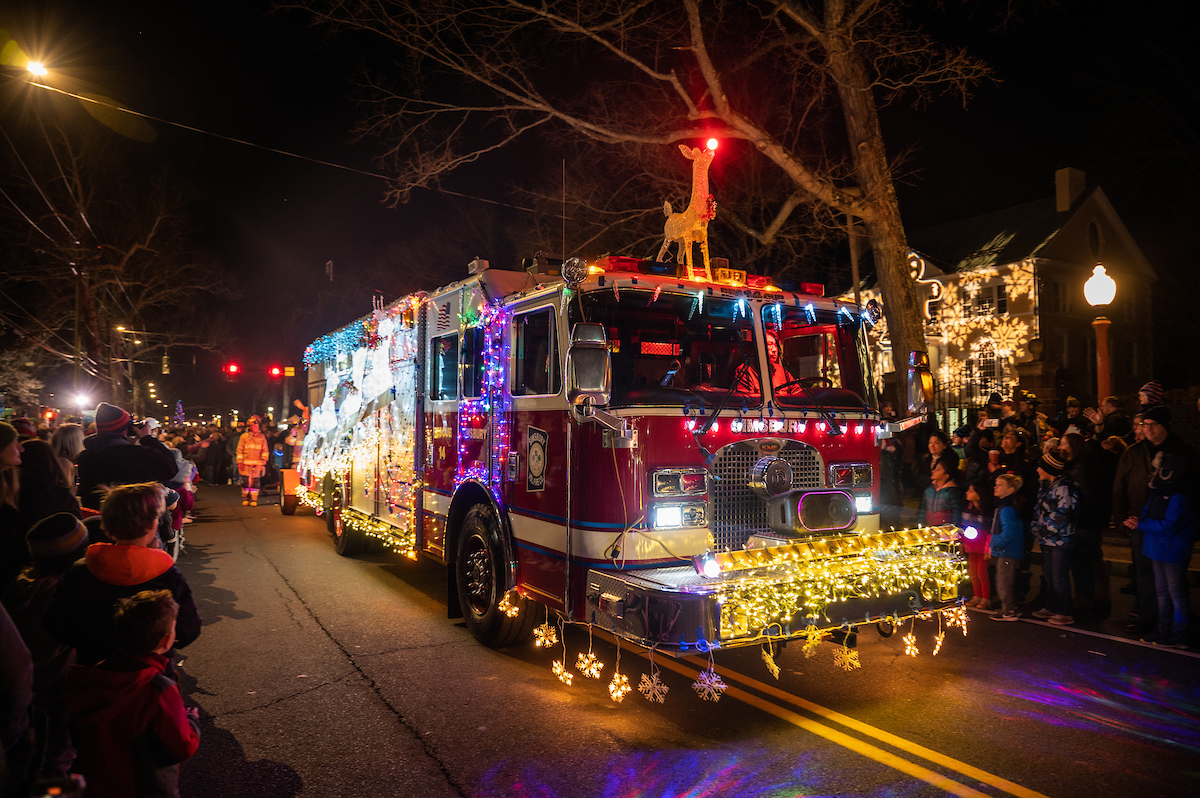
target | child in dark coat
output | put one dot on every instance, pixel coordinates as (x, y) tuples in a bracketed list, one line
[(131, 726), (1007, 545), (1169, 525), (54, 544)]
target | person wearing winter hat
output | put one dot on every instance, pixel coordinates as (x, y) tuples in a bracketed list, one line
[(25, 428), (1168, 522), (54, 544), (1130, 491), (1054, 525), (110, 458), (1150, 395)]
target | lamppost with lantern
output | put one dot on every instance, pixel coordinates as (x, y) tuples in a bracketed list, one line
[(1099, 291)]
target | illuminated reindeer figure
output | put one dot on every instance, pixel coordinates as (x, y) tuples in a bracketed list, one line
[(691, 226)]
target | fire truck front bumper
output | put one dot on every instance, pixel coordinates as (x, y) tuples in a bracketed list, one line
[(781, 592)]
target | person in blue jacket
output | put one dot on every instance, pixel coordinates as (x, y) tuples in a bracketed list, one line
[(1169, 525), (942, 502), (1008, 545)]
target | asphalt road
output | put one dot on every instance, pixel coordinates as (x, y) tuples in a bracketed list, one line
[(319, 675)]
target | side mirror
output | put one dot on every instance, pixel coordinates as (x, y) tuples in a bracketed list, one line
[(589, 366), (920, 383)]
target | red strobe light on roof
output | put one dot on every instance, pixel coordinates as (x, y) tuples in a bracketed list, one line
[(814, 289)]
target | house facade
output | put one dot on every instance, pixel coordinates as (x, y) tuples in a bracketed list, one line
[(1004, 301)]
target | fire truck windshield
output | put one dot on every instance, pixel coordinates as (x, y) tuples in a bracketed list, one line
[(673, 349)]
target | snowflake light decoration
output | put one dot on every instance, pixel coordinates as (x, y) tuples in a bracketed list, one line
[(812, 638), (507, 607), (937, 642), (957, 616), (708, 685), (619, 687), (910, 645), (560, 670), (653, 688), (588, 665), (769, 660), (545, 636), (846, 658)]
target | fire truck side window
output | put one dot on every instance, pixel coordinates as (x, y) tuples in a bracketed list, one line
[(535, 372), (443, 368), (474, 362)]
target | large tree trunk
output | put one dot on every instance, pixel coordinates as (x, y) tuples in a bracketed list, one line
[(882, 217)]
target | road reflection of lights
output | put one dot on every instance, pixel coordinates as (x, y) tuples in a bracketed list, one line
[(1131, 702), (695, 774)]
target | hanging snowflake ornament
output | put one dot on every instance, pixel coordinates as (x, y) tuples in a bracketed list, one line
[(560, 670), (657, 292), (937, 642), (957, 616), (812, 638), (769, 660), (846, 658), (544, 636), (910, 645), (619, 687), (507, 607), (708, 685), (653, 688), (588, 665)]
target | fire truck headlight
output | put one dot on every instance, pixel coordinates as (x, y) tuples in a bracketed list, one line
[(863, 504), (677, 516)]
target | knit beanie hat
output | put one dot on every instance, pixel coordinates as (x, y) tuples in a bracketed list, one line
[(57, 535), (1153, 391), (1051, 464), (110, 418), (1158, 413), (24, 427), (8, 434)]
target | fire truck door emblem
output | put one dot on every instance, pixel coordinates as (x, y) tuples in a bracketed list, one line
[(535, 470)]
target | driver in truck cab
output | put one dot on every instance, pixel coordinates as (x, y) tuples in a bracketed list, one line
[(746, 376)]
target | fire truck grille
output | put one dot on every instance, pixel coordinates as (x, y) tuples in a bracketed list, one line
[(738, 512)]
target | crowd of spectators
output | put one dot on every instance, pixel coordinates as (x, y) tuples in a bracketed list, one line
[(1059, 484)]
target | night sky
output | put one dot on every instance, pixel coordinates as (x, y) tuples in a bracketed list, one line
[(1065, 71)]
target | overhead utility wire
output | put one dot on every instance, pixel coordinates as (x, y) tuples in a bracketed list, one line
[(264, 147)]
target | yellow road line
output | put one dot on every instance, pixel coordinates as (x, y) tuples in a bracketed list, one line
[(883, 736), (845, 740)]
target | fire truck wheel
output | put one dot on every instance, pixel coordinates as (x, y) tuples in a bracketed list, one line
[(288, 504), (479, 568), (347, 540)]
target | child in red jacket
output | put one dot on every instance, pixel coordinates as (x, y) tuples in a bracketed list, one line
[(130, 725)]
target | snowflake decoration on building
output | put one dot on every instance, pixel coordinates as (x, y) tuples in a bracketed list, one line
[(910, 645), (846, 658), (619, 687), (937, 642), (507, 607), (653, 688), (769, 660), (708, 685), (560, 670), (545, 636), (588, 665), (812, 638)]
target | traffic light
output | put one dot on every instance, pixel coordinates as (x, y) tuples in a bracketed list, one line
[(166, 364), (232, 372), (275, 372)]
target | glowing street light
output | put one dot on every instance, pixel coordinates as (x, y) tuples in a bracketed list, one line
[(1100, 290), (37, 68)]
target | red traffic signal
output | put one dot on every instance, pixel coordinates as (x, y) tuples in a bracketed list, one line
[(232, 370), (275, 371)]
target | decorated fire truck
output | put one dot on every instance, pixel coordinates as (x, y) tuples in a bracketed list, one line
[(687, 459)]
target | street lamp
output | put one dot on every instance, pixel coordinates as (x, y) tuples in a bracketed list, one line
[(1099, 291)]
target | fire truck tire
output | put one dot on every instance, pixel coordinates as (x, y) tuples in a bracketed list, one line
[(346, 540), (288, 504), (478, 570)]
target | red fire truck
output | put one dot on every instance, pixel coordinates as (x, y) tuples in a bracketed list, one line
[(684, 463)]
